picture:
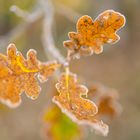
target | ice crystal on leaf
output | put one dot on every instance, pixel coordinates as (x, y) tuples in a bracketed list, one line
[(80, 110), (18, 75), (92, 35)]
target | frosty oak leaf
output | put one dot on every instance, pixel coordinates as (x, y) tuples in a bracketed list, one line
[(79, 109), (18, 75), (92, 35)]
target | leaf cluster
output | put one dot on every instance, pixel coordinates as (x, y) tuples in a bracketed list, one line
[(20, 75)]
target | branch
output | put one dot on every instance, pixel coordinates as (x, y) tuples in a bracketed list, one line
[(47, 37), (18, 30), (19, 12), (45, 9)]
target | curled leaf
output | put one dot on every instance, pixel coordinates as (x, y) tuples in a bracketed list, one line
[(18, 75), (92, 35), (79, 109)]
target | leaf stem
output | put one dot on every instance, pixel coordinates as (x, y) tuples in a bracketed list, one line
[(67, 82)]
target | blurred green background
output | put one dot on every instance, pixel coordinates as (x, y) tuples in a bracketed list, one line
[(118, 66)]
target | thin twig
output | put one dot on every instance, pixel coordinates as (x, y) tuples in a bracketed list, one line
[(18, 30), (47, 37), (19, 12), (45, 9)]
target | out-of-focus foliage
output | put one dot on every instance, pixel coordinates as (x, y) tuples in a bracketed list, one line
[(58, 126), (106, 99)]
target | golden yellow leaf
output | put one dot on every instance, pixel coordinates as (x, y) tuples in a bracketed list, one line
[(92, 35), (79, 109), (18, 75)]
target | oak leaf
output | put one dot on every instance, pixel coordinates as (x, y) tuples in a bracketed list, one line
[(106, 99), (18, 75), (92, 35), (79, 109)]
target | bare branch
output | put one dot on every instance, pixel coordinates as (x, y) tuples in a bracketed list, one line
[(19, 12), (17, 31), (47, 37), (45, 9)]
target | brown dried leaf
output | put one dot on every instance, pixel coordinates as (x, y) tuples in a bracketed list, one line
[(92, 35), (18, 75), (108, 106), (79, 109), (106, 99)]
